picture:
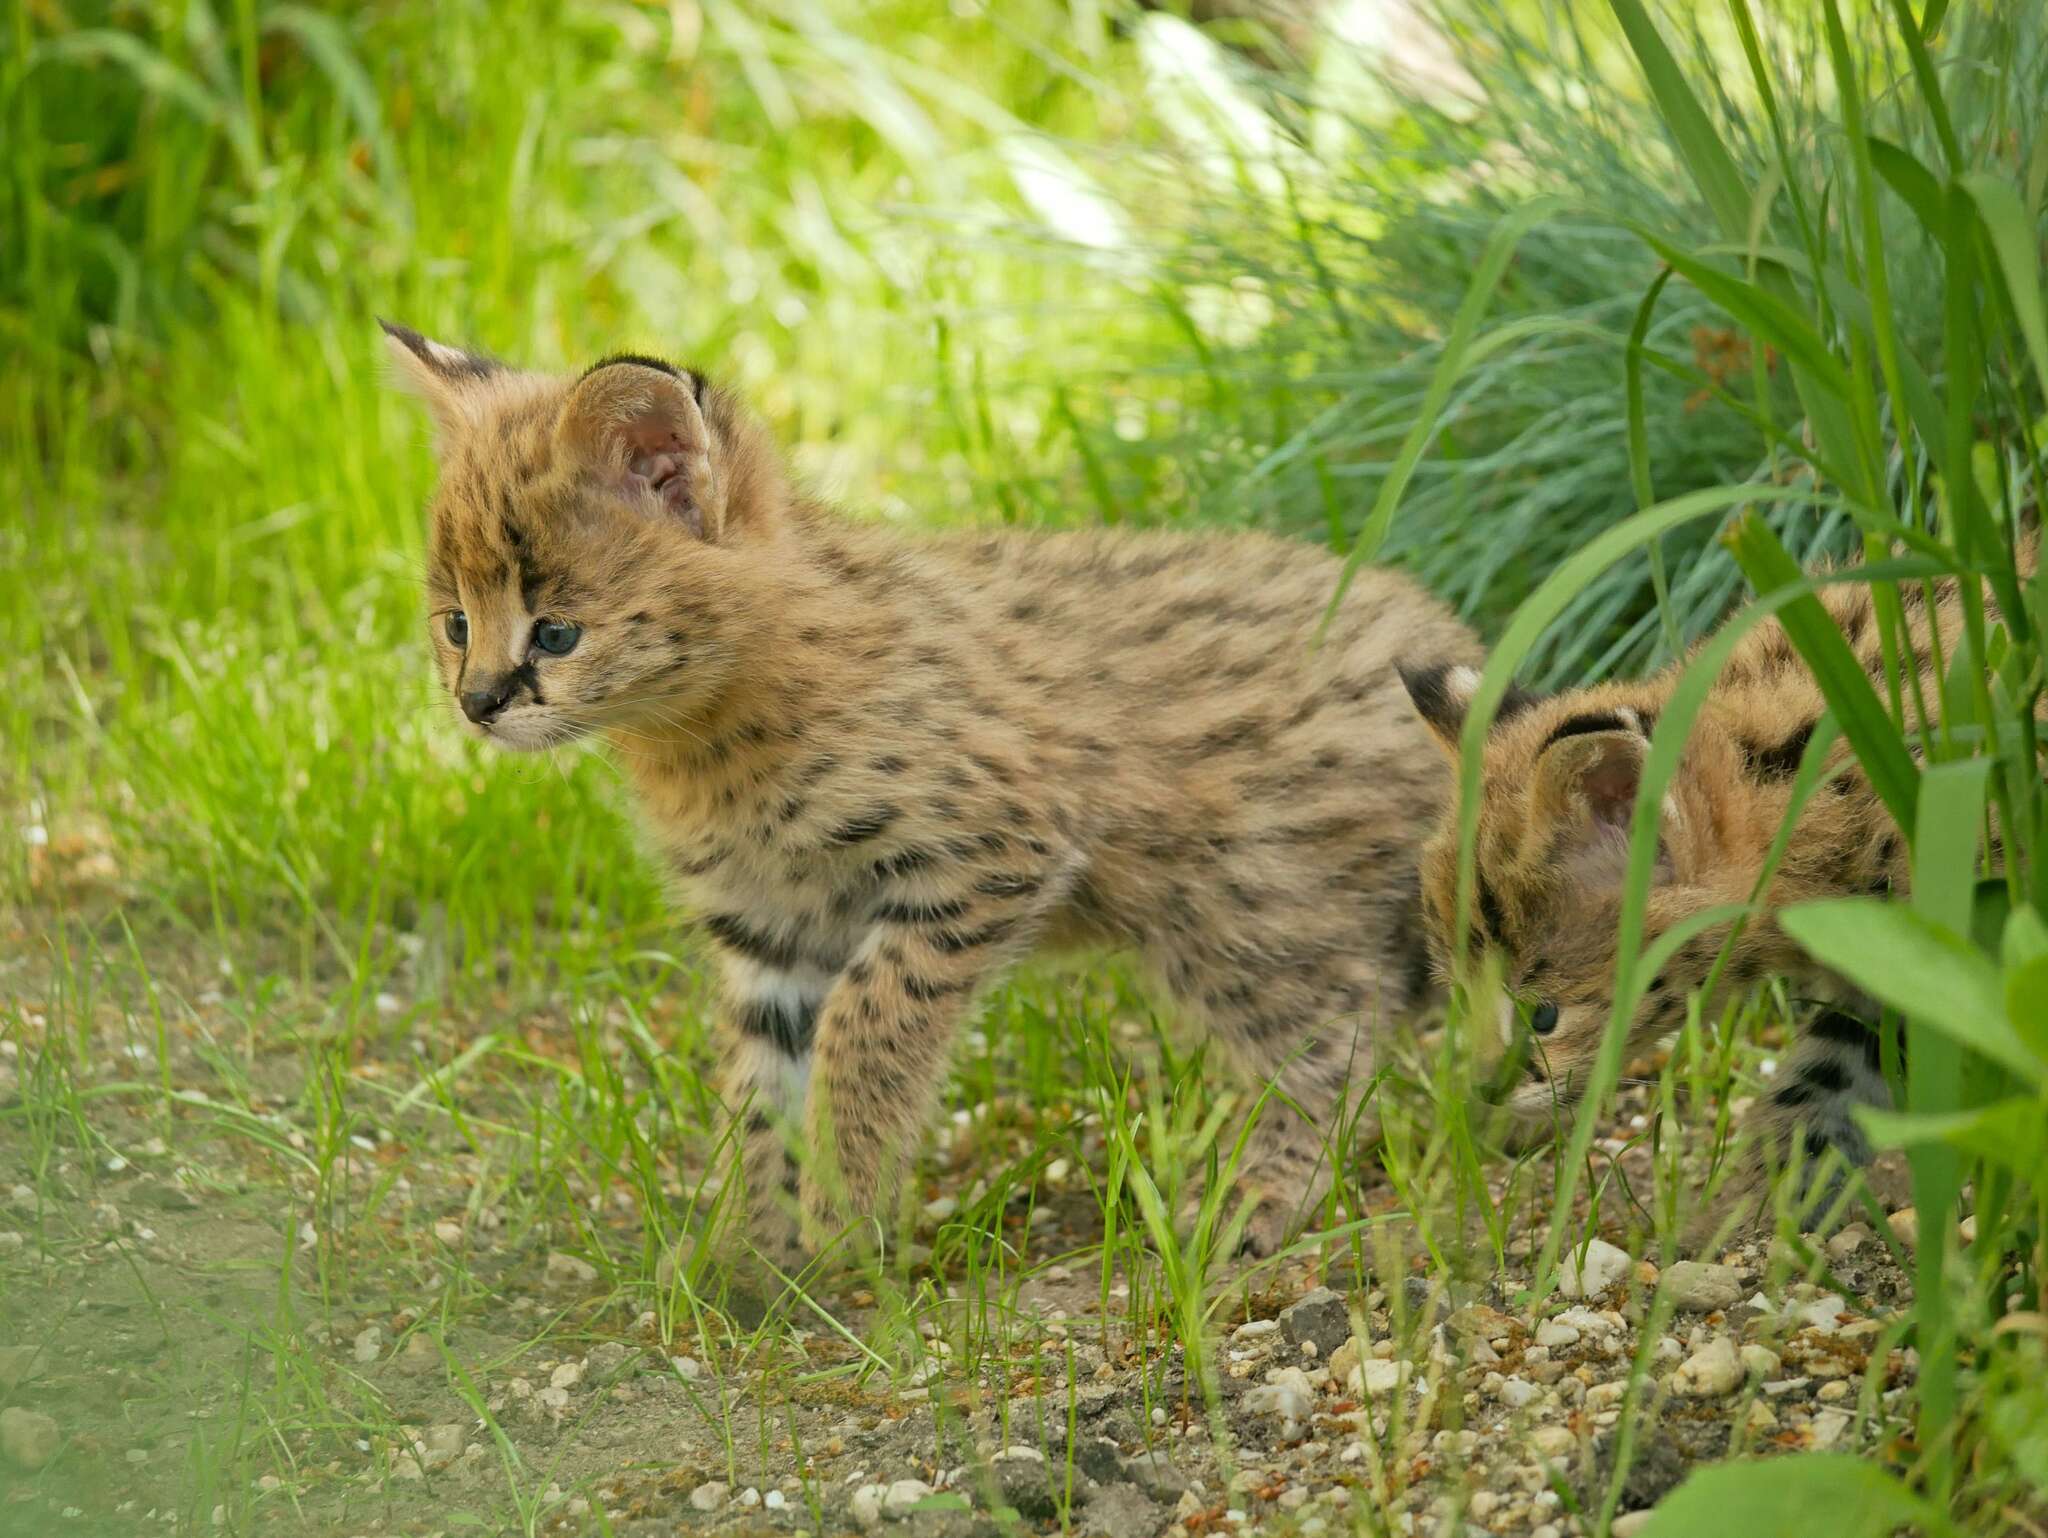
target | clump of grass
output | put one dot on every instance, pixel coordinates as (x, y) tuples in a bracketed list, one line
[(1929, 443)]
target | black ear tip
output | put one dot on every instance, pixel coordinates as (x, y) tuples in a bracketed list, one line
[(1427, 686), (405, 335)]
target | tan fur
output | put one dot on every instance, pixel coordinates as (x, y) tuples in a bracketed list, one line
[(881, 766), (1558, 786)]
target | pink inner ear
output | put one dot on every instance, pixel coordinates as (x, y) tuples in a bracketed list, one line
[(663, 465), (1610, 788)]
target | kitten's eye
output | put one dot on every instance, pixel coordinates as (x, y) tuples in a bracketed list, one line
[(555, 637), (457, 626), (1543, 1018)]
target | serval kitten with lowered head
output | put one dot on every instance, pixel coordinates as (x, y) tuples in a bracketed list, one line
[(1558, 790), (880, 767)]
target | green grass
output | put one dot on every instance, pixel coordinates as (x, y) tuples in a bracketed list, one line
[(356, 1026)]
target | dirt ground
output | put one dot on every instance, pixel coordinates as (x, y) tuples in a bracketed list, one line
[(241, 1315)]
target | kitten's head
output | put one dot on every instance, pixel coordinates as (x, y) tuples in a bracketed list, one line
[(594, 541), (1557, 792)]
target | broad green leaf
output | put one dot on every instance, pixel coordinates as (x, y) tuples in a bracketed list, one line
[(2012, 1133), (1911, 180), (2018, 248), (2026, 937), (2026, 1004), (1928, 972), (1713, 169), (1793, 1498), (1864, 720), (1769, 317)]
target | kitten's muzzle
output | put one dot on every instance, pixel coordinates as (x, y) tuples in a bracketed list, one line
[(484, 703)]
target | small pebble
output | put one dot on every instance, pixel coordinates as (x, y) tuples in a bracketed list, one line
[(28, 1439), (710, 1495), (1711, 1371), (1589, 1273), (1697, 1287)]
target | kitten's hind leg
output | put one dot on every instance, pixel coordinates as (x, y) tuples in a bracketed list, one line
[(1805, 1125)]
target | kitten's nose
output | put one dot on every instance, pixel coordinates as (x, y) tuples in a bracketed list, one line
[(482, 705)]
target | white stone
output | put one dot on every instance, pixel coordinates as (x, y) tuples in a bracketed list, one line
[(1699, 1287), (566, 1270), (1820, 1314), (902, 1495), (1827, 1428), (439, 1446), (1630, 1523), (1589, 1274), (867, 1505), (710, 1495), (1849, 1241), (1711, 1371), (687, 1368), (1289, 1396), (1518, 1393), (1761, 1361), (1379, 1378), (1255, 1329), (568, 1375), (369, 1344), (1553, 1333), (28, 1439)]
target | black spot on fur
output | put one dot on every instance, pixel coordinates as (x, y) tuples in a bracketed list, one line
[(920, 910), (1003, 885), (1585, 725), (524, 677), (858, 830), (954, 941), (901, 864), (1492, 916), (736, 934), (1847, 1031), (929, 989), (1780, 762), (786, 1025)]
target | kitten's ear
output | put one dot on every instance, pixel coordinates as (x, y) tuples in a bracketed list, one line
[(1442, 694), (445, 377), (641, 423), (1587, 777)]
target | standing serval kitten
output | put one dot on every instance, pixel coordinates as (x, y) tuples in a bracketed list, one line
[(883, 767), (1558, 790)]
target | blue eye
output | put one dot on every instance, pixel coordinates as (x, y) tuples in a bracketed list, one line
[(1543, 1018), (457, 626), (555, 637)]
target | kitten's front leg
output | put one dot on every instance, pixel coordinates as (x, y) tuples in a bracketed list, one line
[(884, 1037), (765, 1034)]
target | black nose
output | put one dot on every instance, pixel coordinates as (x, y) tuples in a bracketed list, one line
[(482, 705)]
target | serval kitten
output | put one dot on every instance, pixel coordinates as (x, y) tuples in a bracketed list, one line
[(1558, 790), (882, 766)]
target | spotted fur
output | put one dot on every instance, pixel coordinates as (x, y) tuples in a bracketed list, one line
[(881, 766), (1557, 793)]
